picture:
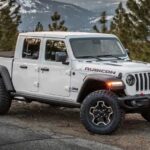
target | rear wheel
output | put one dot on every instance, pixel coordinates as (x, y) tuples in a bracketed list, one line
[(5, 99), (100, 112)]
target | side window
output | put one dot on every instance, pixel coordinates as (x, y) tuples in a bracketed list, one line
[(55, 51), (31, 48)]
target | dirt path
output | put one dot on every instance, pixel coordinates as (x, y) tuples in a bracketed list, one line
[(134, 134)]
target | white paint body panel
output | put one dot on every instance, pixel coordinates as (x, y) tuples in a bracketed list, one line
[(118, 66), (25, 80), (7, 62), (59, 81), (56, 81)]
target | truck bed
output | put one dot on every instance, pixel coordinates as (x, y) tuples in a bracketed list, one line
[(6, 59), (7, 54)]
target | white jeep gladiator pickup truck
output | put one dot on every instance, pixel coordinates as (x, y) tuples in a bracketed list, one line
[(87, 70)]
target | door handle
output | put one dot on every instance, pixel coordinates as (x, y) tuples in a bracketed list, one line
[(23, 67), (45, 69)]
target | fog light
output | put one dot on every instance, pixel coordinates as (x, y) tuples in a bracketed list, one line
[(114, 84)]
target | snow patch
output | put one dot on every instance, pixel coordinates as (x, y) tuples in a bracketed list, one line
[(3, 5), (27, 3), (93, 21), (24, 11)]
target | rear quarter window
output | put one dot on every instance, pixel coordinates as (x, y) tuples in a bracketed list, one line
[(31, 48)]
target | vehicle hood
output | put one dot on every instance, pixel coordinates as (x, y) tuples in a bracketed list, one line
[(113, 67)]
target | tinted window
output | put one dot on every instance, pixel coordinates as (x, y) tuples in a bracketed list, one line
[(53, 48), (31, 48)]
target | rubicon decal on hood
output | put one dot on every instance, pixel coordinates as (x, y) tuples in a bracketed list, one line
[(100, 70)]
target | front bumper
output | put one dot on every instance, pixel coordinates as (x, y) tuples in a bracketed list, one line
[(135, 102)]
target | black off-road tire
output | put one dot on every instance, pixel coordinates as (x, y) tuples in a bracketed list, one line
[(146, 115), (110, 99), (5, 99)]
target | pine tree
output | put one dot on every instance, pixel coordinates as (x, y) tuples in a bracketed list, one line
[(133, 27), (39, 27), (139, 13), (9, 21), (57, 23), (121, 25), (103, 23)]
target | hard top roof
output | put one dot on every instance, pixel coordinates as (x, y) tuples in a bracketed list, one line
[(65, 34)]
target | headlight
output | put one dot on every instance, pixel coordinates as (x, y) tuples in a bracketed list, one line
[(130, 80)]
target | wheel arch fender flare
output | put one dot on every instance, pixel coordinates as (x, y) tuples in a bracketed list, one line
[(4, 74), (97, 82)]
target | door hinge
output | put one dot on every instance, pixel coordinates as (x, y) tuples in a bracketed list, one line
[(67, 88), (37, 69), (68, 72), (36, 84)]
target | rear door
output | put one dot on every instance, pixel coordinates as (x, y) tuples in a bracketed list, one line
[(26, 66)]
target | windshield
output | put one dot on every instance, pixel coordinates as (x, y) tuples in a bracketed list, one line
[(97, 47)]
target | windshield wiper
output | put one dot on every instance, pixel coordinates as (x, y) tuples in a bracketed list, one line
[(95, 57), (111, 56)]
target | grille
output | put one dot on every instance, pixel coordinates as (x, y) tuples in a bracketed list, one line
[(142, 81)]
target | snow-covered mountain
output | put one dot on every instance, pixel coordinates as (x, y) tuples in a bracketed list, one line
[(40, 10), (96, 5), (80, 15)]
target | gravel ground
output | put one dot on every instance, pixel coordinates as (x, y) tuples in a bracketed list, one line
[(133, 135), (18, 137)]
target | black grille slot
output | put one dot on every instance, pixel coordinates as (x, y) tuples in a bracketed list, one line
[(145, 77), (137, 82), (149, 80), (142, 81)]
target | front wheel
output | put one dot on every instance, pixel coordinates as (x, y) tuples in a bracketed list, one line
[(100, 112)]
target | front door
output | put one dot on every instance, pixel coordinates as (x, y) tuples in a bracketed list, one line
[(25, 68), (54, 76)]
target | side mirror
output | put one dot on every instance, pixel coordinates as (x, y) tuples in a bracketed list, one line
[(127, 51), (61, 57)]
